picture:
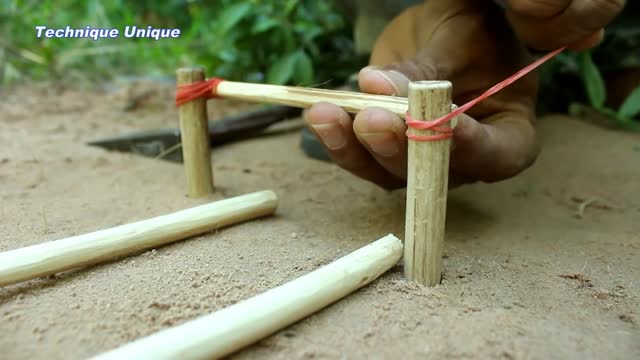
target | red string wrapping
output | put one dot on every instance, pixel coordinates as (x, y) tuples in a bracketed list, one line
[(207, 89), (445, 132), (203, 89)]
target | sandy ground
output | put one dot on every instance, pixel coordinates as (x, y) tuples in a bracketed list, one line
[(525, 277)]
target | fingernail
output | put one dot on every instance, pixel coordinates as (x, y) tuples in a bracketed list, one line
[(397, 80), (384, 144), (331, 135), (370, 68)]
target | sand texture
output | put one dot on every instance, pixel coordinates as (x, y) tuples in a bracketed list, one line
[(543, 266)]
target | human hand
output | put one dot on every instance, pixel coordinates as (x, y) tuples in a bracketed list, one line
[(548, 25), (466, 42)]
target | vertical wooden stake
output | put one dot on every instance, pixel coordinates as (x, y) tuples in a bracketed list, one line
[(194, 132), (427, 183)]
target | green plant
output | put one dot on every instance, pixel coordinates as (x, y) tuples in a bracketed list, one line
[(597, 96), (292, 41), (301, 42)]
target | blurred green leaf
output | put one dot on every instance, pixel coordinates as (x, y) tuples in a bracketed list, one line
[(612, 114), (244, 40), (282, 71), (289, 6), (631, 106), (593, 81), (303, 71), (264, 24), (232, 15), (576, 109)]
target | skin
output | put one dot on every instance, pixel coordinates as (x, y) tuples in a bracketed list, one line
[(550, 24), (472, 44)]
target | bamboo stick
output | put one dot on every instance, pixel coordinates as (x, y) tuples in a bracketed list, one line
[(230, 329), (43, 259), (427, 183), (294, 96), (194, 133)]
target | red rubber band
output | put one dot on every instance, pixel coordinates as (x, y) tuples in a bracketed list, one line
[(206, 89), (434, 125), (442, 133)]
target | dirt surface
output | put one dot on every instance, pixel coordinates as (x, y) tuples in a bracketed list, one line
[(543, 266)]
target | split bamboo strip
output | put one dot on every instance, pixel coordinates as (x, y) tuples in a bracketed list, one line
[(194, 133), (427, 185), (230, 329), (43, 259), (301, 97)]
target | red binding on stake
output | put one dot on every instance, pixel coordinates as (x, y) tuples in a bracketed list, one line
[(442, 132), (207, 89), (203, 89)]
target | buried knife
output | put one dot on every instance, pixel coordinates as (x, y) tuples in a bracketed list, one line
[(165, 143)]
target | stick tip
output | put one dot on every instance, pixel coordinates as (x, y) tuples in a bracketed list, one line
[(430, 84), (190, 69)]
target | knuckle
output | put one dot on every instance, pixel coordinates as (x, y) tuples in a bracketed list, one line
[(417, 70), (518, 161)]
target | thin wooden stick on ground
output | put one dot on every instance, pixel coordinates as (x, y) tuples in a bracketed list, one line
[(427, 185), (194, 133), (55, 256), (232, 328)]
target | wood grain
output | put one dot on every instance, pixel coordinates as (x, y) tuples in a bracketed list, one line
[(352, 102), (194, 133), (223, 332), (427, 184), (92, 248)]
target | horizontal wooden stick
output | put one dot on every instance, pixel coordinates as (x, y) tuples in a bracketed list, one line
[(43, 259), (352, 102), (230, 329)]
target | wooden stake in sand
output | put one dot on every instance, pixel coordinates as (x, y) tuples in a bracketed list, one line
[(55, 256), (194, 133), (427, 183), (225, 331)]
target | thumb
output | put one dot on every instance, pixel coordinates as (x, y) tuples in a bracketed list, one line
[(394, 79)]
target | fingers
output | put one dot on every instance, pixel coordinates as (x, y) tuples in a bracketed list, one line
[(383, 134), (589, 42), (394, 79), (374, 145), (551, 24), (374, 80), (334, 127), (496, 149)]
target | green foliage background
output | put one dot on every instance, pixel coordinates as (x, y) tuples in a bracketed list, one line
[(302, 42), (299, 42)]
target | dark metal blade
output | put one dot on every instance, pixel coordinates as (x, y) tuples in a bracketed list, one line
[(165, 143)]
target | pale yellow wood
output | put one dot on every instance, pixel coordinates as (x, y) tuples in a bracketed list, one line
[(427, 183), (55, 256), (223, 332), (194, 133), (301, 97)]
